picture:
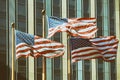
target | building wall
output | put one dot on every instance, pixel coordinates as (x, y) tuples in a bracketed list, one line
[(27, 16)]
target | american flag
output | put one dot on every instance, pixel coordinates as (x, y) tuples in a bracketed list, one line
[(107, 46), (55, 25), (85, 20), (32, 45), (85, 49), (83, 27), (82, 49), (78, 27)]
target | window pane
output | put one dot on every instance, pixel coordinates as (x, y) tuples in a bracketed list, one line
[(56, 8), (39, 68), (87, 70), (87, 63), (113, 71), (38, 31), (38, 17), (100, 69), (112, 32), (21, 22), (57, 66), (86, 8), (72, 14), (72, 8), (3, 42), (99, 17), (99, 33), (112, 16)]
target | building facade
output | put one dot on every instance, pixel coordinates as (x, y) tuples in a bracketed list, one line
[(27, 16)]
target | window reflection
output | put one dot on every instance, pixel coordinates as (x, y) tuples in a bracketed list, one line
[(72, 14), (39, 68), (38, 17), (3, 41), (87, 63), (113, 71), (112, 32), (21, 22), (99, 33), (87, 70), (100, 69), (72, 8), (57, 63), (38, 31), (86, 8), (112, 16), (99, 17)]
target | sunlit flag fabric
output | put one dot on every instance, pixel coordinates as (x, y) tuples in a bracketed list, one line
[(107, 46), (83, 27), (82, 49), (32, 45), (77, 27), (24, 42), (85, 49), (55, 25)]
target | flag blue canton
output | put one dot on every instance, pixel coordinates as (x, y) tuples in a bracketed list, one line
[(55, 21), (79, 42), (22, 37)]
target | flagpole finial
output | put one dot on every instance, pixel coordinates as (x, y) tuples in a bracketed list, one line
[(43, 12), (13, 25)]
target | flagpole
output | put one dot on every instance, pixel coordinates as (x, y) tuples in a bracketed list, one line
[(43, 58), (69, 60), (13, 52)]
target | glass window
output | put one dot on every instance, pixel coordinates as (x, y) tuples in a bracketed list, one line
[(21, 22), (72, 8), (38, 17), (38, 31), (112, 16), (99, 17), (39, 68), (3, 42), (57, 62), (113, 71), (86, 6), (87, 70), (100, 69), (87, 63), (99, 33), (112, 32), (72, 14)]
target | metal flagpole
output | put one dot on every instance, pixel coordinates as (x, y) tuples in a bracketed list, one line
[(13, 52), (44, 35), (69, 59)]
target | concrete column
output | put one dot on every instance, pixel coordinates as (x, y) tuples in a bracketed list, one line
[(80, 63), (117, 25), (93, 61), (31, 66), (64, 41)]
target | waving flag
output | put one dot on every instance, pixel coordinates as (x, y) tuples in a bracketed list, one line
[(30, 45), (55, 25), (82, 49), (78, 27), (47, 48), (107, 46), (103, 47), (84, 20), (83, 27), (23, 43)]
